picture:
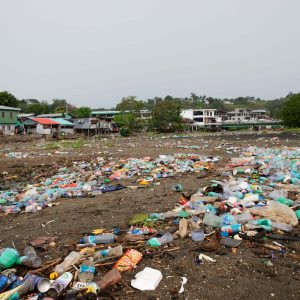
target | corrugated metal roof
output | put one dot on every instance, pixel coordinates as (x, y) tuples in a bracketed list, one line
[(25, 115), (9, 108), (45, 121), (58, 115), (104, 112), (63, 122)]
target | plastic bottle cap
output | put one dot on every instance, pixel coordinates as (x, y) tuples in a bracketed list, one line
[(53, 275)]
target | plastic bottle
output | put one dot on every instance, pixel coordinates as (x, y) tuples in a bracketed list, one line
[(8, 257), (87, 271), (105, 238), (183, 225), (212, 220), (169, 214), (108, 253), (9, 280), (111, 277), (198, 235), (231, 229), (3, 281), (30, 258), (70, 260), (156, 242)]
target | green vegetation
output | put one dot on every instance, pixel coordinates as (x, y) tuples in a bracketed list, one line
[(83, 112), (290, 111), (166, 116), (75, 144), (165, 111), (131, 104)]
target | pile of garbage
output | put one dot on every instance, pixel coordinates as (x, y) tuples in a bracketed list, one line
[(33, 154), (88, 179), (256, 200)]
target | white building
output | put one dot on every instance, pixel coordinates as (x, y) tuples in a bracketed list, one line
[(197, 118), (242, 115)]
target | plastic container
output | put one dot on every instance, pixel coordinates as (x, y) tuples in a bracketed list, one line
[(87, 271), (38, 283), (198, 235), (70, 260), (106, 254), (147, 280), (30, 258), (59, 285), (105, 238)]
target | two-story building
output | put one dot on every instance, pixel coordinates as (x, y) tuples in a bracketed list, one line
[(8, 119), (200, 118)]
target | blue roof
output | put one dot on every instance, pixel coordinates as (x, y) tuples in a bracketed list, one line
[(63, 122)]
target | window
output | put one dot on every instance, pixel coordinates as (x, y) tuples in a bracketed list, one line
[(11, 115), (3, 114), (198, 113), (8, 127), (198, 119), (210, 113)]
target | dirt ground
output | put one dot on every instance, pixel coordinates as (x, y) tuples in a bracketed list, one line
[(240, 275)]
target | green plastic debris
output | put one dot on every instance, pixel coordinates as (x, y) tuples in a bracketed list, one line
[(138, 218), (285, 201)]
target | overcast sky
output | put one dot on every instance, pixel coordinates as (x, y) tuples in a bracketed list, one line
[(94, 52)]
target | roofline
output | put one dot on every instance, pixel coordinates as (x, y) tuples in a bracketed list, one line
[(4, 107)]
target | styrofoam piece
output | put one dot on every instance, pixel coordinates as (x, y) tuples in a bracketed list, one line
[(148, 279)]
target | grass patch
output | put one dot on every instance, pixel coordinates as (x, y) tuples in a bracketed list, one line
[(75, 144), (292, 130), (109, 144)]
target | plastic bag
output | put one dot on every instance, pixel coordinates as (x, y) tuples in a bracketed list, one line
[(276, 212)]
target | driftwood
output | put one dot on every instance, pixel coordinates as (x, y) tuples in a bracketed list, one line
[(46, 266)]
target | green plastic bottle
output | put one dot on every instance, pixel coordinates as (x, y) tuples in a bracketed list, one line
[(8, 257), (285, 201)]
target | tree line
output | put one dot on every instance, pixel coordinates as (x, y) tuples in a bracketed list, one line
[(43, 107), (165, 112)]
